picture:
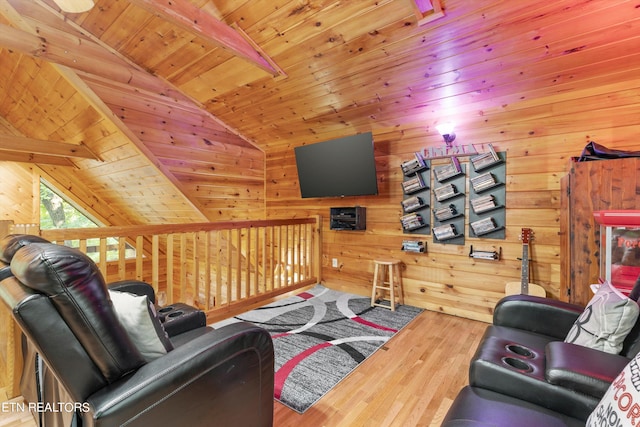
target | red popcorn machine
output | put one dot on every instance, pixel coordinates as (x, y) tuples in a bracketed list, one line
[(619, 247)]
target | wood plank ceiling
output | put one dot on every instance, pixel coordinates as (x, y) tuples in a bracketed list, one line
[(178, 104), (142, 151)]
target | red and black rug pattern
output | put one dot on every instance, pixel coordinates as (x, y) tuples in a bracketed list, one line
[(320, 336)]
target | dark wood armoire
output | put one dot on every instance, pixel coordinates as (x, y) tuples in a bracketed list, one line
[(591, 186)]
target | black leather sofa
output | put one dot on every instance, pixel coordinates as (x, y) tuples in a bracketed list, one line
[(524, 374), (479, 407), (93, 373)]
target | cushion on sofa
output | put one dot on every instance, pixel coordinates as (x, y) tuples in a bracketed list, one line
[(140, 320), (605, 321), (620, 406)]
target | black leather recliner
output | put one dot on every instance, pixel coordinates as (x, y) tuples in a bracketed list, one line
[(211, 377), (479, 407), (522, 368), (523, 354)]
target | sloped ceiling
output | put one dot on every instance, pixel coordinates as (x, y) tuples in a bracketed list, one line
[(145, 152), (173, 104)]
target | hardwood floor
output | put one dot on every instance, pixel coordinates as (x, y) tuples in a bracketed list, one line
[(409, 382)]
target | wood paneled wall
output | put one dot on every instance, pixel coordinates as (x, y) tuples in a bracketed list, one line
[(445, 278), (538, 80), (505, 95), (17, 201)]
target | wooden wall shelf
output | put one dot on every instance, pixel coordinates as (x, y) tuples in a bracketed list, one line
[(435, 197), (416, 217), (449, 195), (487, 195)]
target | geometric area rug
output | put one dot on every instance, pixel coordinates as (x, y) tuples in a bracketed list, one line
[(319, 337)]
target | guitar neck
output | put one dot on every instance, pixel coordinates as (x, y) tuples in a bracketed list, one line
[(524, 271)]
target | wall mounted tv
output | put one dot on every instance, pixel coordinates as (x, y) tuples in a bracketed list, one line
[(337, 168)]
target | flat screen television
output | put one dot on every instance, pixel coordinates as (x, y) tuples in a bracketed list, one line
[(337, 168)]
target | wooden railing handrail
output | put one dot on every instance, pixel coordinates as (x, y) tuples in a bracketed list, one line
[(252, 259), (127, 230), (223, 268)]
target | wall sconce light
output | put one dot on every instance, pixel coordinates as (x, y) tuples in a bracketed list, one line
[(446, 130)]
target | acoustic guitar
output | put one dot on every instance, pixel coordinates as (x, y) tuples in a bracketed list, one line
[(524, 287)]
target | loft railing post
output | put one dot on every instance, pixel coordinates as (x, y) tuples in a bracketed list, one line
[(183, 267), (170, 262), (317, 249), (238, 265), (10, 349), (207, 270), (217, 302), (122, 267), (247, 260), (155, 262), (139, 257), (102, 264)]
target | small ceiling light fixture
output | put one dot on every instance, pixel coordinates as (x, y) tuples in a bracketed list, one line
[(74, 6), (446, 130)]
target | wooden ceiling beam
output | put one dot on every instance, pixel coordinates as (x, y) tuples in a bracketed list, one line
[(14, 156), (68, 70), (22, 144), (58, 47), (188, 17)]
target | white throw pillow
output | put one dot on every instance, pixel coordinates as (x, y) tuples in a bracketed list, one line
[(620, 405), (605, 321), (141, 322)]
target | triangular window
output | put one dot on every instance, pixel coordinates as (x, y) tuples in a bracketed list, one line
[(58, 211)]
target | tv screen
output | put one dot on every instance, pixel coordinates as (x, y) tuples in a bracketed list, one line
[(338, 167)]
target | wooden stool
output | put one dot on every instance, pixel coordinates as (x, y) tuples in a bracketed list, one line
[(386, 277)]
